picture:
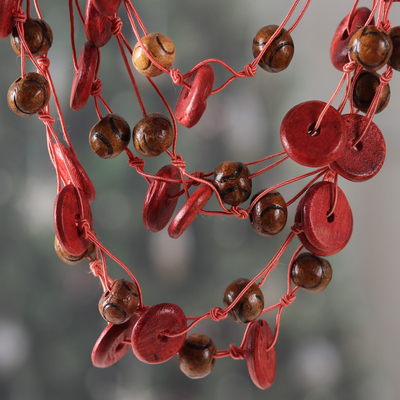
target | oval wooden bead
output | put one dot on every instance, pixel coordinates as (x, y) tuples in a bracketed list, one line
[(196, 356), (232, 181), (269, 215), (97, 26), (153, 134), (69, 258), (107, 7), (160, 47), (193, 102), (7, 19), (110, 136), (251, 304), (306, 146), (394, 60), (279, 53)]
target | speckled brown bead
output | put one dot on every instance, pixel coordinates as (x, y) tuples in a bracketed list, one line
[(110, 136), (69, 258), (394, 35), (160, 47), (249, 307), (232, 181), (28, 95), (153, 134), (118, 305), (196, 356), (310, 272), (279, 53)]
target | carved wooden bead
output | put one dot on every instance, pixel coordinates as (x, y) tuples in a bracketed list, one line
[(110, 136), (196, 356), (70, 258), (160, 47), (279, 53), (153, 134), (232, 181), (310, 272), (28, 95), (394, 35), (249, 307), (118, 305)]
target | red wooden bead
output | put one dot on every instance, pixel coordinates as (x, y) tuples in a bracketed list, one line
[(148, 342), (97, 26), (260, 363), (7, 20), (193, 102), (107, 7), (161, 199), (394, 35), (190, 210), (306, 146), (362, 162)]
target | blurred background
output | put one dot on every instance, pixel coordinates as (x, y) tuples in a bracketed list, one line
[(339, 344)]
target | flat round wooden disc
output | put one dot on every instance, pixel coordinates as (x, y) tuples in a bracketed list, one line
[(7, 20), (362, 162), (97, 26), (161, 199), (107, 7), (189, 211), (306, 146), (261, 364), (109, 347), (147, 343), (67, 210)]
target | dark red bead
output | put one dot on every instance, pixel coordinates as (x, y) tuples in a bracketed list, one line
[(97, 26), (7, 20), (107, 7)]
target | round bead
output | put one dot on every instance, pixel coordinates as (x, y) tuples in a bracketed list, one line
[(279, 53), (110, 136), (251, 304), (153, 134), (69, 258), (269, 215), (29, 94), (107, 7), (370, 48), (232, 181), (119, 303), (394, 60), (160, 47), (196, 356), (7, 19), (310, 272), (97, 26)]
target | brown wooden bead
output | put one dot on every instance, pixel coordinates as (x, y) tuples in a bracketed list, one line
[(70, 258), (310, 272), (370, 48), (29, 94), (232, 181), (364, 91), (249, 307), (394, 35), (279, 53), (118, 304), (269, 215), (38, 36), (160, 47), (110, 136), (153, 134), (196, 356)]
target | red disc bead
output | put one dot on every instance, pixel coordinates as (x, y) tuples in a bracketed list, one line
[(97, 26), (107, 7), (7, 19)]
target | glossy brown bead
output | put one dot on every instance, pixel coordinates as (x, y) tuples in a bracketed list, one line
[(28, 95), (249, 307), (196, 356), (394, 35), (160, 47), (110, 136), (232, 181), (38, 37), (269, 215), (70, 258), (118, 304), (279, 53), (310, 272), (153, 134)]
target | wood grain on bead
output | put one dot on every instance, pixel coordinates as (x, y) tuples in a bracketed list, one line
[(69, 258), (97, 26), (148, 342), (394, 60), (107, 7), (7, 19)]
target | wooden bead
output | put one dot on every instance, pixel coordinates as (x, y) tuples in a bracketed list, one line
[(29, 94), (69, 258), (269, 215), (196, 356), (119, 303), (394, 60), (97, 26), (310, 272), (232, 181), (251, 304), (279, 53), (370, 48), (160, 47), (110, 136), (7, 19), (107, 7), (364, 92), (153, 134), (38, 37)]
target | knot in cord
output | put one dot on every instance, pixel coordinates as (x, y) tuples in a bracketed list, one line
[(45, 117), (350, 66), (386, 76), (287, 299), (44, 63), (237, 353), (217, 314), (330, 176), (386, 25), (116, 25), (176, 76), (96, 267), (136, 162), (96, 88), (239, 212), (19, 14), (297, 228), (250, 70), (84, 226), (199, 175), (178, 161)]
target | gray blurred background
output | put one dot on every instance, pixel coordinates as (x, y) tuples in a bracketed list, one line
[(339, 344)]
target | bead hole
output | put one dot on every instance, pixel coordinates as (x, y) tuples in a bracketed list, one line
[(345, 35), (331, 217), (358, 147), (312, 131), (161, 338)]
